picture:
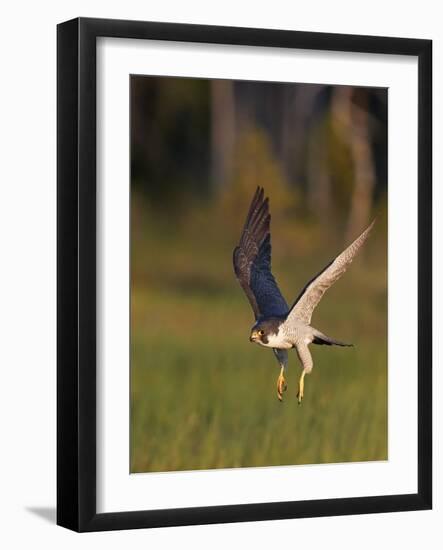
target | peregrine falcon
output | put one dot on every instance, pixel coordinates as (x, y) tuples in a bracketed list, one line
[(278, 326)]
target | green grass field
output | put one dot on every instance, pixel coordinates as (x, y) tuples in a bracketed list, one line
[(203, 396)]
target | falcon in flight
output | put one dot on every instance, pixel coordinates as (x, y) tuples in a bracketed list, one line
[(278, 326)]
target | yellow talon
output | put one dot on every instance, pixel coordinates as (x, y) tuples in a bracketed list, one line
[(301, 387), (281, 384)]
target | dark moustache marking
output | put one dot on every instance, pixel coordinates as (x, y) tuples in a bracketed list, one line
[(269, 326)]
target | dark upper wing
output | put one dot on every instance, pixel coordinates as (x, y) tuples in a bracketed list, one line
[(252, 261), (313, 292)]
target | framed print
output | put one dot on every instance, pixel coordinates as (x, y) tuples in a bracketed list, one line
[(197, 381)]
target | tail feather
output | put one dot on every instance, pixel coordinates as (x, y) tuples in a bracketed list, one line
[(323, 340)]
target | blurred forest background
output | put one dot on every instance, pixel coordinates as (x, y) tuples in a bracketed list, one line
[(202, 396)]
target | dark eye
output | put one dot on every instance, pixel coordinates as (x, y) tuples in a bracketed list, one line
[(261, 332)]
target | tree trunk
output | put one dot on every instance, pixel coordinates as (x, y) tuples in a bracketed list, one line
[(354, 121), (222, 131), (318, 175)]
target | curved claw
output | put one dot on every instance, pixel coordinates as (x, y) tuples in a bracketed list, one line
[(301, 387), (281, 386)]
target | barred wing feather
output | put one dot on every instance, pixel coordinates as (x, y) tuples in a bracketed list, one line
[(313, 292)]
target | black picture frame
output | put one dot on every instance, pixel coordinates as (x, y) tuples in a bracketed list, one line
[(76, 273)]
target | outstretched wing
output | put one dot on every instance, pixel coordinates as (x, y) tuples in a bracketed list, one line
[(252, 261), (313, 292)]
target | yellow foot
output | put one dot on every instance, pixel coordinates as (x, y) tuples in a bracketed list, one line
[(301, 387), (281, 385)]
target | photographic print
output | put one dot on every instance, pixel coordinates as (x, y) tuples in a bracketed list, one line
[(224, 349), (237, 362)]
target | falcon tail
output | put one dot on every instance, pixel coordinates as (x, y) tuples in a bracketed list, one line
[(323, 340)]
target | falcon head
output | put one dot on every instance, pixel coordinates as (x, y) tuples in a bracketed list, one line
[(265, 332), (257, 335)]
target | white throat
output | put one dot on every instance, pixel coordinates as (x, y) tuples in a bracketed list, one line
[(277, 341)]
